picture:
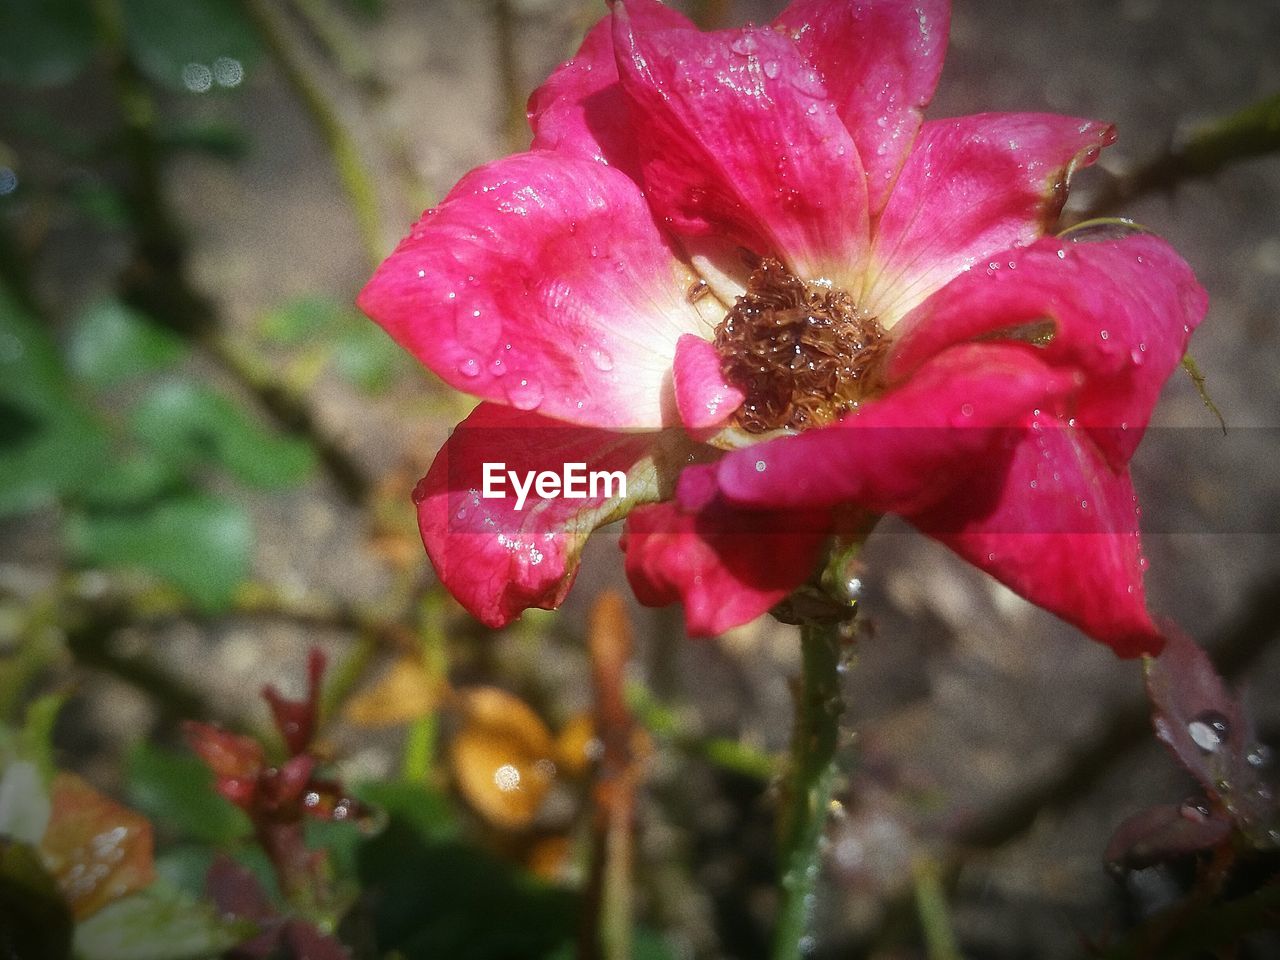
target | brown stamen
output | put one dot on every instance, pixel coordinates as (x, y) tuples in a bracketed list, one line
[(802, 352)]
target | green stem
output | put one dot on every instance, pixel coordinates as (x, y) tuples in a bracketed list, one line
[(810, 782), (931, 907)]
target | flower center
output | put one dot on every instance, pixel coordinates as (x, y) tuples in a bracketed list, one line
[(801, 351)]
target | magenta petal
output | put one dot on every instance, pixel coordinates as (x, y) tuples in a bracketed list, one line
[(703, 396), (910, 446), (1122, 311), (1059, 527), (727, 565), (880, 60), (741, 139), (496, 559), (972, 187), (580, 108), (542, 282)]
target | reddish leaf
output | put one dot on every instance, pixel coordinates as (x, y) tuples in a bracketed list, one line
[(97, 850), (297, 719), (1164, 833)]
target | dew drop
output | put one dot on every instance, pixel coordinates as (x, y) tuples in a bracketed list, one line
[(469, 367), (967, 409), (761, 466), (601, 360), (1105, 334), (497, 367), (744, 45), (1136, 356), (1193, 808), (771, 69), (1259, 756), (1209, 730), (1062, 254), (524, 395)]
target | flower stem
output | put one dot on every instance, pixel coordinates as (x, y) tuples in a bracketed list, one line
[(811, 778)]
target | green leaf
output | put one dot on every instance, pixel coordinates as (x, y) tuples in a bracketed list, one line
[(35, 921), (367, 357), (131, 482), (49, 444), (111, 342), (200, 544), (176, 791), (167, 37), (44, 42), (157, 924), (187, 424)]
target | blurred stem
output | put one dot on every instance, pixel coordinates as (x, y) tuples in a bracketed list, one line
[(931, 907), (418, 761), (333, 33), (811, 778), (515, 132), (356, 179), (1251, 132)]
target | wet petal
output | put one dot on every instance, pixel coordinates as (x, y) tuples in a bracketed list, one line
[(740, 138), (880, 60), (1058, 526), (703, 396), (499, 560), (726, 564), (972, 186), (1122, 312), (908, 447), (580, 109), (542, 282)]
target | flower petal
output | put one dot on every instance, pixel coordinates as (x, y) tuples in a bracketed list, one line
[(726, 564), (542, 282), (972, 186), (880, 60), (740, 138), (705, 399), (1059, 527), (580, 109), (910, 446), (1122, 310), (498, 559)]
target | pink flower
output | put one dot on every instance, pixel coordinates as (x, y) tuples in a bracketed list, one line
[(739, 268)]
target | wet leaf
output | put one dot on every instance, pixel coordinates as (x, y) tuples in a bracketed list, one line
[(188, 424), (502, 757), (165, 38), (35, 922), (1204, 727), (111, 342), (201, 544), (98, 850), (158, 925), (177, 791), (407, 691), (1164, 833)]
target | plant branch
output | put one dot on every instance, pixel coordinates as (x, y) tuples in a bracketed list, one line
[(1251, 132), (811, 778), (356, 179)]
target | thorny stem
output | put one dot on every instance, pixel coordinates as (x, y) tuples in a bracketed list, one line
[(810, 781)]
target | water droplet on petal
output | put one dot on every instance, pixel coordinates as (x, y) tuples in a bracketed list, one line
[(771, 69), (601, 360), (744, 45), (1259, 756), (524, 395), (967, 409), (469, 367), (1209, 730), (761, 466), (1105, 334), (1194, 808)]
